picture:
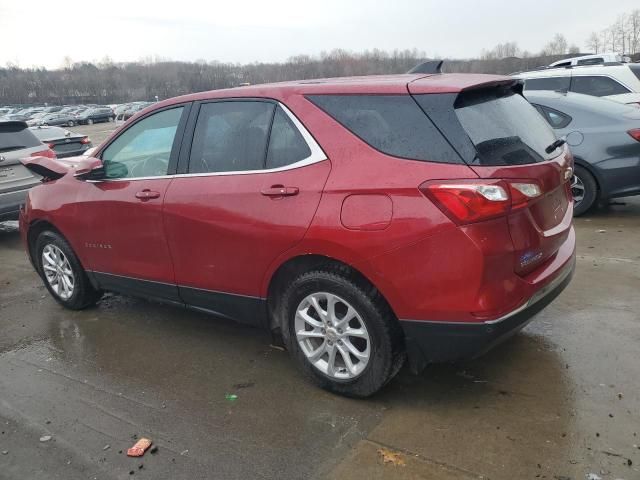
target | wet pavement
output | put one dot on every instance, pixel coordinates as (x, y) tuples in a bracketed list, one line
[(559, 401)]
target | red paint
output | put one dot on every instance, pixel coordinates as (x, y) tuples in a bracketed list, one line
[(230, 233), (366, 212)]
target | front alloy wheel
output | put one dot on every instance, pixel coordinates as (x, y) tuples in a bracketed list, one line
[(58, 272), (62, 272), (332, 335)]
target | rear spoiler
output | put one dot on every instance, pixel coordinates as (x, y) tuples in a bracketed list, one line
[(429, 67)]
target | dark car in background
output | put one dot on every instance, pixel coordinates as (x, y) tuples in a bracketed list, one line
[(95, 115), (16, 142), (63, 142), (65, 119), (604, 137)]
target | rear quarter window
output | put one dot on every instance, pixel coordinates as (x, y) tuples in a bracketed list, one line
[(392, 124), (596, 85)]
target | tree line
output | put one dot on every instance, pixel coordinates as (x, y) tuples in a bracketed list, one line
[(107, 82)]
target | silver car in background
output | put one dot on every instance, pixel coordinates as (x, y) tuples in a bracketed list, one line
[(604, 137), (16, 142)]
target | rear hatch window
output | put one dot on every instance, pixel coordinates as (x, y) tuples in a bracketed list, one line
[(504, 128), (16, 136)]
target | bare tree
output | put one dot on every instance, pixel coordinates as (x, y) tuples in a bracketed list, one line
[(594, 42), (557, 46)]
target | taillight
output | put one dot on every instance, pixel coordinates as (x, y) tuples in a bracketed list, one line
[(470, 201), (51, 145), (44, 153), (85, 140), (635, 133), (523, 193)]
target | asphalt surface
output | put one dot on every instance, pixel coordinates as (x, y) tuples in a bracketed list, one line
[(558, 401)]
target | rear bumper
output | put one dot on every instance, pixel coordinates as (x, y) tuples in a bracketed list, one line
[(433, 342)]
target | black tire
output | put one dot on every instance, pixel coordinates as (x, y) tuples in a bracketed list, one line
[(590, 191), (83, 294), (387, 352)]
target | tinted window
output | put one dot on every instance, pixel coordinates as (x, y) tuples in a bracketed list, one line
[(230, 136), (548, 83), (554, 117), (596, 85), (504, 127), (286, 144), (591, 61), (15, 137), (144, 149), (393, 124)]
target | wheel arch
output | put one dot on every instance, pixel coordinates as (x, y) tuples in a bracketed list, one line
[(602, 192), (299, 264)]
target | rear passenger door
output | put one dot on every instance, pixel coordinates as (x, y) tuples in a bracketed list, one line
[(251, 181)]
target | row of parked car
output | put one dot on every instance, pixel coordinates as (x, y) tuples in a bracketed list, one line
[(71, 115), (594, 104)]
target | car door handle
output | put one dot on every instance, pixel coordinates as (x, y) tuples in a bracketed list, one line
[(147, 194), (279, 191)]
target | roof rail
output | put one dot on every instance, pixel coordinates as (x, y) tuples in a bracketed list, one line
[(430, 66)]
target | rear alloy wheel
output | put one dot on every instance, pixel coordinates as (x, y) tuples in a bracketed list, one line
[(62, 273), (89, 122), (332, 335), (584, 190), (70, 123), (344, 339)]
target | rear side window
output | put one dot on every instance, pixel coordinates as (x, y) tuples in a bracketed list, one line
[(554, 117), (286, 144), (547, 83), (597, 86), (230, 136), (591, 61), (392, 124), (15, 136), (504, 127)]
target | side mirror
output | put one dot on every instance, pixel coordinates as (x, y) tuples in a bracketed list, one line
[(90, 169)]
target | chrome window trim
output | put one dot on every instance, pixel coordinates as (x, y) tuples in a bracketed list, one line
[(317, 155)]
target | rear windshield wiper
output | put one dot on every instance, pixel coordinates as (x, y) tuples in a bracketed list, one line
[(556, 144)]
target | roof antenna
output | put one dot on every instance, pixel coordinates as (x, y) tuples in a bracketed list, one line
[(430, 66)]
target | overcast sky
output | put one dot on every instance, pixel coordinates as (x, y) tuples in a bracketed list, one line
[(43, 32)]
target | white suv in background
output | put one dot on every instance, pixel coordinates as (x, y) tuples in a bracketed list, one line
[(619, 82)]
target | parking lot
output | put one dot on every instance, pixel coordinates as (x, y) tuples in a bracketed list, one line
[(558, 401)]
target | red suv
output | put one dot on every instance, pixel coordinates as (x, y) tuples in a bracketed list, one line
[(364, 220)]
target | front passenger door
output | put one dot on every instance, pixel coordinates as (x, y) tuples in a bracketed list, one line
[(125, 243)]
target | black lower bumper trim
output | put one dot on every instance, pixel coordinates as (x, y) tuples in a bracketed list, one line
[(436, 342)]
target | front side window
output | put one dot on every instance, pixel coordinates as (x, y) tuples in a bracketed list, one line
[(504, 127), (230, 136), (144, 149), (598, 86), (547, 83), (286, 144)]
